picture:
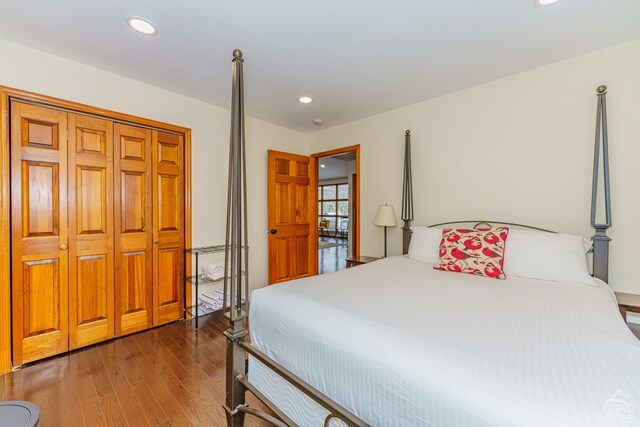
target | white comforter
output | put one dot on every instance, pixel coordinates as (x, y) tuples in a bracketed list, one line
[(401, 344)]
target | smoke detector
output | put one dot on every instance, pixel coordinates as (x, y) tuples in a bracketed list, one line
[(317, 122)]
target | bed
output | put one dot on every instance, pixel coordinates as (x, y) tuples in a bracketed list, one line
[(407, 345), (398, 343)]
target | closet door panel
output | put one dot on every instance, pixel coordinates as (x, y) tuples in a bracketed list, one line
[(168, 226), (133, 229), (134, 292), (39, 232), (91, 266)]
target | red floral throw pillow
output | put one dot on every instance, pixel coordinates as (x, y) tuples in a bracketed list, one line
[(479, 252)]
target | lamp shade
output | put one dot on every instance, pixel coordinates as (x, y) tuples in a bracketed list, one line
[(385, 217)]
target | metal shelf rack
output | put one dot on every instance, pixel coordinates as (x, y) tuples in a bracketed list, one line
[(198, 278)]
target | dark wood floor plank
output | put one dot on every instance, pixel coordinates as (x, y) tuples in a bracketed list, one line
[(113, 413), (85, 359), (13, 386), (70, 404), (169, 376), (101, 381), (198, 364), (129, 405), (110, 362), (33, 392), (90, 404), (125, 358), (190, 397), (50, 388), (333, 258), (148, 404), (170, 406)]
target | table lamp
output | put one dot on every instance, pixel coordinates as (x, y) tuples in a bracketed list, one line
[(385, 217)]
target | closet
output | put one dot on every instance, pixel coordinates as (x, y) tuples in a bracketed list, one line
[(97, 228)]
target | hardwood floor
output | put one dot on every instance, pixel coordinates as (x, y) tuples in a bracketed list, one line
[(635, 328), (334, 258), (168, 376)]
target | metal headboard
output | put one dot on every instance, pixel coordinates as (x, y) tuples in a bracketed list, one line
[(600, 239), (491, 224)]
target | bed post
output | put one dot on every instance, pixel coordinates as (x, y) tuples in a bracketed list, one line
[(600, 238), (236, 287), (407, 194), (236, 254)]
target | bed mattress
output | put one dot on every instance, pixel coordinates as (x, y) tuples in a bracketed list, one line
[(401, 344)]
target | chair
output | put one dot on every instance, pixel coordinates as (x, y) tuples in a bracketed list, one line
[(323, 226), (343, 227)]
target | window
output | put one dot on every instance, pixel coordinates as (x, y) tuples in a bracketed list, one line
[(333, 206)]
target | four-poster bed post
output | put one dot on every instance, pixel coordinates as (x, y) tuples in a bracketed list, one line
[(235, 259), (407, 194), (600, 239), (236, 286)]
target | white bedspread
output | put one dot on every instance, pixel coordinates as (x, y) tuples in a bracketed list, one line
[(401, 344)]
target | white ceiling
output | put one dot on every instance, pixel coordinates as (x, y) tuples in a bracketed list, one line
[(334, 168), (355, 58)]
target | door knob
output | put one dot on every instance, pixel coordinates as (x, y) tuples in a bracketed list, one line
[(274, 231), (63, 247), (155, 242)]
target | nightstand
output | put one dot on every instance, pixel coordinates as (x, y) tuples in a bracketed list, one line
[(629, 302), (353, 261)]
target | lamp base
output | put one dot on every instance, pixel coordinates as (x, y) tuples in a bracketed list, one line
[(385, 241)]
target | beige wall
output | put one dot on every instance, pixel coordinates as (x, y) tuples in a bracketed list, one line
[(333, 181), (517, 149), (36, 71)]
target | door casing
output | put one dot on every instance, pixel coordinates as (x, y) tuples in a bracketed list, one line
[(356, 213)]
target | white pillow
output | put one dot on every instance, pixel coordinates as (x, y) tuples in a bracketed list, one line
[(547, 256), (425, 244)]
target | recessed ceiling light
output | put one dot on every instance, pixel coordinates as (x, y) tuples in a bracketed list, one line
[(322, 165), (305, 99), (544, 3), (142, 26)]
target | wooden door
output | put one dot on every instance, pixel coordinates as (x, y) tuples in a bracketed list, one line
[(91, 317), (133, 228), (39, 232), (293, 248), (168, 226)]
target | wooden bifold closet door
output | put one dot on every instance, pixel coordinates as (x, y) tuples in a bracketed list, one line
[(133, 216), (168, 226), (39, 232), (90, 196), (98, 229)]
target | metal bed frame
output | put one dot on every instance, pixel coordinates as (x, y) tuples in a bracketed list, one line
[(239, 345)]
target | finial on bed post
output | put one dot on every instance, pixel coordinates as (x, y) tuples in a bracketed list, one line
[(407, 194), (236, 270), (600, 239)]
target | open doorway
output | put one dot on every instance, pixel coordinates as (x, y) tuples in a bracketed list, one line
[(338, 207)]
